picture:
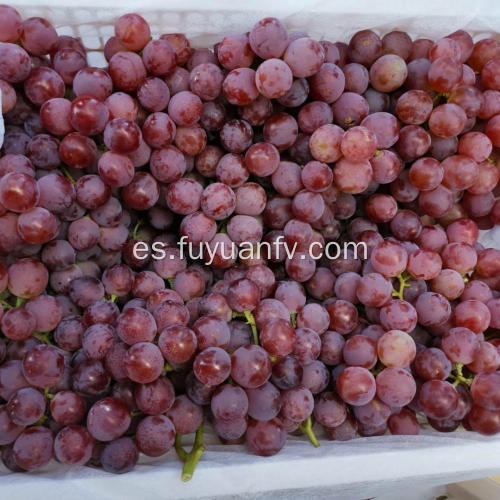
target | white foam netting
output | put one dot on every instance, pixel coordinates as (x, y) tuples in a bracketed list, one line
[(206, 21)]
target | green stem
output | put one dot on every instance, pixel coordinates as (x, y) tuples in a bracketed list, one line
[(19, 301), (66, 173), (293, 319), (171, 283), (490, 160), (167, 368), (222, 227), (135, 413), (377, 369), (192, 458), (41, 420), (113, 298), (5, 304), (402, 278), (459, 377), (136, 229), (181, 452), (44, 337), (306, 428), (439, 95), (251, 321), (47, 394)]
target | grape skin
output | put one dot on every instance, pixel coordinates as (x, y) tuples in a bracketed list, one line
[(267, 136)]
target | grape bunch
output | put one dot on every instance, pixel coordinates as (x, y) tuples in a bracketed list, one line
[(386, 144)]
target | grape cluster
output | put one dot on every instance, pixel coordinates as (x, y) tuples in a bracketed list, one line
[(268, 136)]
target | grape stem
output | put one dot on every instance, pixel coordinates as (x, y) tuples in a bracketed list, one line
[(44, 337), (171, 283), (293, 319), (439, 95), (5, 304), (167, 368), (192, 458), (113, 298), (306, 428), (41, 420), (136, 229), (181, 452), (459, 377), (403, 278), (251, 321), (47, 394), (222, 228), (66, 173), (19, 301), (377, 369)]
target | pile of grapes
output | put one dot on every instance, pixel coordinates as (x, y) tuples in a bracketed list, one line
[(383, 144)]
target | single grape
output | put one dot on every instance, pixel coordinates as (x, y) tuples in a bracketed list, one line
[(268, 38), (396, 349), (395, 387), (356, 385), (155, 435), (403, 423), (212, 366), (67, 408), (251, 366), (73, 445), (108, 419), (388, 73), (185, 415), (265, 438), (330, 410), (119, 456), (33, 448), (229, 403), (438, 399)]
